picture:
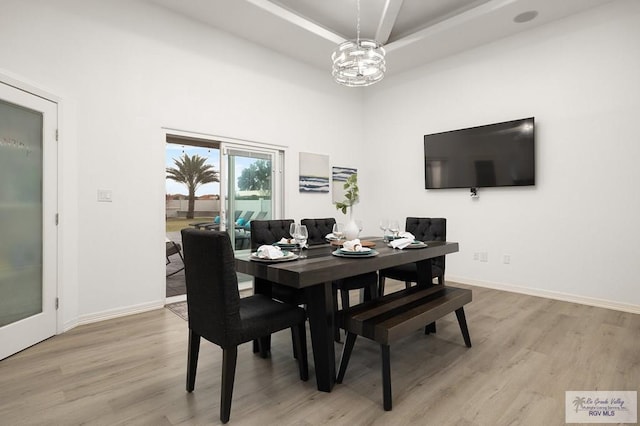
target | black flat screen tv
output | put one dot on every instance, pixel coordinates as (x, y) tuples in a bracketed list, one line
[(500, 154)]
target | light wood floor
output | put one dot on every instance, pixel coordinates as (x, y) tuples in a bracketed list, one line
[(526, 353)]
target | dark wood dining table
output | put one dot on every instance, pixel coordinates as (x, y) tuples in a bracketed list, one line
[(315, 273)]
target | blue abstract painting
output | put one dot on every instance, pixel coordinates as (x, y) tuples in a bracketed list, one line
[(314, 172)]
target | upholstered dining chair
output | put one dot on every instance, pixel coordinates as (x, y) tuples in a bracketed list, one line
[(423, 229), (318, 229), (218, 314), (268, 232)]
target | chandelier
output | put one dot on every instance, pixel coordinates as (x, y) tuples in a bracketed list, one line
[(359, 62)]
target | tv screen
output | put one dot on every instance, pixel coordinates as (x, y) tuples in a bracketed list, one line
[(500, 154)]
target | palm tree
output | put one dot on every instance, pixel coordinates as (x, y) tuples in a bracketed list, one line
[(193, 172)]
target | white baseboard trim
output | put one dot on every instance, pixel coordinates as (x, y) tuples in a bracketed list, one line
[(556, 295), (119, 312)]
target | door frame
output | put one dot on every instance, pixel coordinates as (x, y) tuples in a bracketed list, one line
[(32, 89)]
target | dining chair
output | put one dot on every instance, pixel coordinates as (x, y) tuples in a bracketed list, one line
[(423, 229), (318, 229), (268, 232), (218, 314)]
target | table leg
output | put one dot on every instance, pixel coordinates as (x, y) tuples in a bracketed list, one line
[(320, 312), (424, 273)]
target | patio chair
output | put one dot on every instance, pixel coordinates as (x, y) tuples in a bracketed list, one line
[(174, 248)]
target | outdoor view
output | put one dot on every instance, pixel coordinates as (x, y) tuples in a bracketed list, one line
[(193, 187)]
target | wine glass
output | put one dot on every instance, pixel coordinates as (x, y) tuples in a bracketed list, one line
[(394, 228), (292, 229), (384, 226), (360, 226), (301, 235), (338, 230)]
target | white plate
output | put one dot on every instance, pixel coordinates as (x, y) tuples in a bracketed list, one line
[(287, 257), (362, 251), (354, 255)]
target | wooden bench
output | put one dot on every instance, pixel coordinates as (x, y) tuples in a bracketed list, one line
[(396, 315)]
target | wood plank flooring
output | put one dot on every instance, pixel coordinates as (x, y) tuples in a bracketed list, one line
[(526, 353)]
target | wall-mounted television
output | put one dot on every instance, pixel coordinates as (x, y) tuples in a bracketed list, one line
[(500, 154)]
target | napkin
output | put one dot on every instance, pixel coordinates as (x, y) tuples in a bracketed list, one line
[(401, 243), (286, 241), (331, 237), (353, 245), (407, 235), (269, 252)]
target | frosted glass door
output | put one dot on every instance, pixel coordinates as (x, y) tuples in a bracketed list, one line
[(26, 291)]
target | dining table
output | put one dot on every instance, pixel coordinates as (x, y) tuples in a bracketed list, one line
[(315, 273)]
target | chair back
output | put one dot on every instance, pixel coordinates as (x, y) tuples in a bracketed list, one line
[(318, 229), (269, 231), (213, 299), (428, 229)]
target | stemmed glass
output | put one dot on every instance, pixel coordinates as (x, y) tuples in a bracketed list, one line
[(292, 229), (301, 235), (384, 225), (338, 230), (394, 228), (359, 224)]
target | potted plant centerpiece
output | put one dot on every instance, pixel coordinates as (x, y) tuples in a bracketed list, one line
[(351, 229)]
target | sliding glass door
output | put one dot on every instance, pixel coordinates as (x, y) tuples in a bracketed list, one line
[(251, 190)]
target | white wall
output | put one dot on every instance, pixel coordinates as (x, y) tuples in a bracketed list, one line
[(124, 70), (574, 234)]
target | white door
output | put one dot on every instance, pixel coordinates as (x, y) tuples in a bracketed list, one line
[(251, 188), (28, 235)]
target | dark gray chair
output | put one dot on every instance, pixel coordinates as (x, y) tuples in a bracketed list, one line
[(424, 229), (218, 314), (318, 229)]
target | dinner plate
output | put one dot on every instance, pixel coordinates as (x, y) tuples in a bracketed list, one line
[(363, 251), (287, 257), (352, 255), (286, 245), (416, 245)]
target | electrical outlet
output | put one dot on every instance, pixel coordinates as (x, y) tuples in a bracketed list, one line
[(506, 259), (484, 256), (476, 255)]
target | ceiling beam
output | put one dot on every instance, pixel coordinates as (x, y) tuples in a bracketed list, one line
[(455, 20), (298, 20), (387, 20)]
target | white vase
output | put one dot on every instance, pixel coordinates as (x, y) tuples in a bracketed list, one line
[(351, 230)]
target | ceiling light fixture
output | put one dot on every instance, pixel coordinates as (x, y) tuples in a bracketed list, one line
[(359, 62)]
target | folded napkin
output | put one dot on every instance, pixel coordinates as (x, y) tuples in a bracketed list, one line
[(286, 241), (406, 235), (353, 245), (331, 237), (269, 252), (401, 243)]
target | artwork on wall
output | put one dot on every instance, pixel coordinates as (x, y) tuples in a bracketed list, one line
[(314, 172), (339, 176)]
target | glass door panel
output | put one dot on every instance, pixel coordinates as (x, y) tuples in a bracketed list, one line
[(251, 190), (27, 206)]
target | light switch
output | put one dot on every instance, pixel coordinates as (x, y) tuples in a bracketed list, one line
[(105, 195)]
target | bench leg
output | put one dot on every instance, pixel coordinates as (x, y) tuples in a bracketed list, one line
[(430, 328), (386, 376), (346, 354), (462, 321)]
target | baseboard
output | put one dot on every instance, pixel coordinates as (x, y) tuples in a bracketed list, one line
[(119, 312), (556, 295)]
